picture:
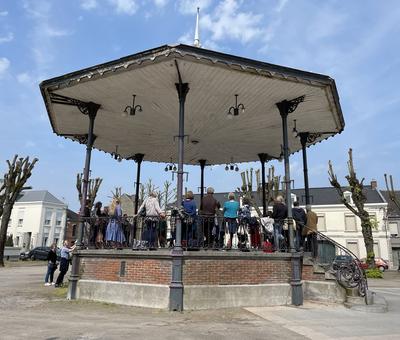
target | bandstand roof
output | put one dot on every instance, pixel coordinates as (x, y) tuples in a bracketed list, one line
[(214, 79)]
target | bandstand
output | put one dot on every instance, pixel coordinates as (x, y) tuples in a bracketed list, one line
[(188, 105)]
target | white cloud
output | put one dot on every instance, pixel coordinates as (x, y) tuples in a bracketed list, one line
[(281, 5), (4, 65), (160, 3), (7, 38), (3, 13), (227, 22), (124, 6), (30, 144), (190, 6), (187, 38), (24, 78), (88, 4)]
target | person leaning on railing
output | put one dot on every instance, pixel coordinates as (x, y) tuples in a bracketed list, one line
[(300, 217), (189, 226), (279, 214), (311, 232), (152, 212), (209, 206), (231, 209)]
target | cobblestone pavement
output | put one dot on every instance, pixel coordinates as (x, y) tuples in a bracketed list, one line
[(29, 310)]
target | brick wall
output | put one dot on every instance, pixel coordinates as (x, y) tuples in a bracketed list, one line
[(136, 270), (210, 269), (230, 272)]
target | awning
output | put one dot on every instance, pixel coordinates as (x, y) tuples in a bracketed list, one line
[(214, 79)]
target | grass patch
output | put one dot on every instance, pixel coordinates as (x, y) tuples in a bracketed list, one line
[(374, 273), (61, 292)]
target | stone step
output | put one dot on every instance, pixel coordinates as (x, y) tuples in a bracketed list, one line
[(355, 300), (330, 276), (352, 292)]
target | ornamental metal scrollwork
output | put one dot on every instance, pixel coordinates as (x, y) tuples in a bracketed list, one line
[(312, 137), (85, 107), (289, 106)]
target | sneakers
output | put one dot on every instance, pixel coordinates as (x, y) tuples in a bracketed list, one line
[(47, 284), (53, 283)]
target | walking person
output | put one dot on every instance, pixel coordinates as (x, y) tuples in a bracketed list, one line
[(300, 217), (279, 214), (231, 209), (51, 265), (311, 232), (64, 262)]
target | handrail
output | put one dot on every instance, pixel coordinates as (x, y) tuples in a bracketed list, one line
[(348, 275)]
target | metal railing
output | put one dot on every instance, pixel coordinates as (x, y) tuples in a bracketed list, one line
[(347, 270), (154, 232)]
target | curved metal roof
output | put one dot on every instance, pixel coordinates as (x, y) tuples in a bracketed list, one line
[(214, 79)]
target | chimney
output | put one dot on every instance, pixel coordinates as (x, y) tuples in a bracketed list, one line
[(374, 184)]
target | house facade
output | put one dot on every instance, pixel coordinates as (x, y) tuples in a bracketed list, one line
[(38, 219), (393, 227)]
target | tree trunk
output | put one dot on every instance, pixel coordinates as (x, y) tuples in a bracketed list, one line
[(3, 230), (366, 229)]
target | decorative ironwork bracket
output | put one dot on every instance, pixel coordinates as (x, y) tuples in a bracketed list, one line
[(289, 106), (87, 108), (82, 139)]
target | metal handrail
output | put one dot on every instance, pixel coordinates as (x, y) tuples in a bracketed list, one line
[(348, 275)]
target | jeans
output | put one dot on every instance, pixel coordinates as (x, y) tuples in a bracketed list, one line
[(51, 268), (150, 234), (278, 228)]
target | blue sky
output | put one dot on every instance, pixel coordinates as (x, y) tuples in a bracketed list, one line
[(355, 42)]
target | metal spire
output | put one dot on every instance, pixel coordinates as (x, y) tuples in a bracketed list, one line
[(196, 33)]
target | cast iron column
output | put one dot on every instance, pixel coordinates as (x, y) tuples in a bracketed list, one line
[(138, 159), (92, 109), (202, 166), (263, 159), (303, 140), (285, 107), (176, 286)]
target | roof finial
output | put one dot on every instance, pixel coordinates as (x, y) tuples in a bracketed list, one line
[(196, 33)]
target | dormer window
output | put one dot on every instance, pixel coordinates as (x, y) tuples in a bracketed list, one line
[(347, 196)]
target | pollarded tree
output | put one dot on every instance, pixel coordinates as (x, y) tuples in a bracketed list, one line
[(357, 208), (93, 188), (392, 193), (19, 170)]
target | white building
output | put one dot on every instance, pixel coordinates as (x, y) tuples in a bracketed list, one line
[(37, 219)]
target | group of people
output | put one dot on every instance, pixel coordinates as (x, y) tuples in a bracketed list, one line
[(305, 223), (212, 225), (53, 262), (107, 227)]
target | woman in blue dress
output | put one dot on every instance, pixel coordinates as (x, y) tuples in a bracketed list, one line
[(114, 233)]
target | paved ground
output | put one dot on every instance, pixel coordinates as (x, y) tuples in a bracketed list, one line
[(28, 310)]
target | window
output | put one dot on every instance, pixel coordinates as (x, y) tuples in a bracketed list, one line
[(374, 222), (293, 198), (353, 247), (347, 196), (350, 223), (377, 249), (393, 229), (59, 218), (21, 213), (17, 241), (321, 222), (44, 241), (56, 241), (47, 219), (74, 230)]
